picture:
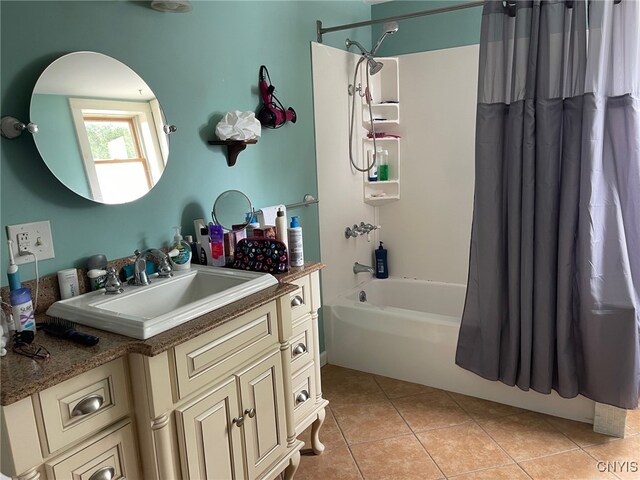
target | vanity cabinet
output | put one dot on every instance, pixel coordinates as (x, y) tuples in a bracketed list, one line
[(80, 428), (225, 403), (221, 405), (304, 356)]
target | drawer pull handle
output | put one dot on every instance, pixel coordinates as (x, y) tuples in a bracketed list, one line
[(251, 412), (297, 301), (303, 396), (238, 421), (87, 405), (105, 473), (299, 349)]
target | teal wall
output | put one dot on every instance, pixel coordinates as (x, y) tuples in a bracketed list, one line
[(431, 32), (200, 65)]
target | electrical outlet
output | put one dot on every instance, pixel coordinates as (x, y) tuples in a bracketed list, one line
[(31, 237)]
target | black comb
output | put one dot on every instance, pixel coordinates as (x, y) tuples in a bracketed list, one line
[(58, 327)]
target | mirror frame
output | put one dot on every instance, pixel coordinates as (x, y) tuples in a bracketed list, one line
[(217, 205)]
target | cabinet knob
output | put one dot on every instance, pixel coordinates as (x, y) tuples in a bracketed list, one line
[(297, 301), (87, 405), (105, 473), (238, 421), (303, 396), (299, 349), (251, 412)]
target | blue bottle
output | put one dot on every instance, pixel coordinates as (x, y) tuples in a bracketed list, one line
[(382, 268)]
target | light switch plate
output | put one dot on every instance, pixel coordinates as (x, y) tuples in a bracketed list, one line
[(34, 237)]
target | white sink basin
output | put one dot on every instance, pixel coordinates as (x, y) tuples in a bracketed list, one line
[(144, 311)]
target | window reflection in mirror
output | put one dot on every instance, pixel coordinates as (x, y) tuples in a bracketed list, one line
[(101, 128)]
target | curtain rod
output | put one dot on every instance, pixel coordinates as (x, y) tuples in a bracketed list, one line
[(321, 31)]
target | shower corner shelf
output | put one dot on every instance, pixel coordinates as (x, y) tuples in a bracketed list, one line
[(234, 147), (385, 90)]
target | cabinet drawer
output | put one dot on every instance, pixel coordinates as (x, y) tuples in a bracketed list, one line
[(300, 298), (302, 344), (304, 393), (113, 456), (84, 404), (205, 359)]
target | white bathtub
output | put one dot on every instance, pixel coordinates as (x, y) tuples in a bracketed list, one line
[(408, 329)]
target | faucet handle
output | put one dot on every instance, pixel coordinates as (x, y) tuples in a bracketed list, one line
[(165, 270), (112, 285)]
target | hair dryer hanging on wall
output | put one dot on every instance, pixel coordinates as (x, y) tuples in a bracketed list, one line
[(272, 113)]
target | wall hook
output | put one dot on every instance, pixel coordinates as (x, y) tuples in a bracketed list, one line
[(11, 127)]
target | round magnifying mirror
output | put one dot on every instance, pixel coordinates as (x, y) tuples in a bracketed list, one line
[(230, 209), (102, 131)]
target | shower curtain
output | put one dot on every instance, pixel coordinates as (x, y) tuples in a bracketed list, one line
[(553, 297)]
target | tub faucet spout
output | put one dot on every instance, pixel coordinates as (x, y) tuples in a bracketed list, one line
[(359, 268)]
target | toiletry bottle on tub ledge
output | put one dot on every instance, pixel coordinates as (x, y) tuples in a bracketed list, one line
[(382, 268)]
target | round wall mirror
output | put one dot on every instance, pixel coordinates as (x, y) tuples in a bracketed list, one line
[(231, 208), (101, 131)]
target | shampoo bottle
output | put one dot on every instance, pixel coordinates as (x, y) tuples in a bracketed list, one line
[(373, 161), (382, 268), (195, 257), (383, 166), (281, 228), (181, 261), (294, 232)]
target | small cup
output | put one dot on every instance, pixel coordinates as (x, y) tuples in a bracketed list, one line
[(68, 283)]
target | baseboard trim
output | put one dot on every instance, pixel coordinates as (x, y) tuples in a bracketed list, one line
[(323, 358)]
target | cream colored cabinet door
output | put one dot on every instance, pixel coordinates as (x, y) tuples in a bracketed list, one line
[(262, 397), (209, 438)]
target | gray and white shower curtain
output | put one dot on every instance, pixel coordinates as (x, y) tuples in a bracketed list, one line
[(553, 297)]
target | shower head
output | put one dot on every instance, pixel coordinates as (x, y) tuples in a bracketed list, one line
[(374, 67), (389, 29)]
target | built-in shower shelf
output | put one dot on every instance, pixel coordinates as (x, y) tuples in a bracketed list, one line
[(234, 147), (384, 90)]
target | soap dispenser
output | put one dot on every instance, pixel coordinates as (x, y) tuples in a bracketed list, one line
[(181, 261)]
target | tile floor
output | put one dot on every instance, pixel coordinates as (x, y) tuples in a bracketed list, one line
[(378, 428)]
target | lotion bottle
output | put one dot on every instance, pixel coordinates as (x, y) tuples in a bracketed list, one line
[(181, 261), (294, 232), (281, 228)]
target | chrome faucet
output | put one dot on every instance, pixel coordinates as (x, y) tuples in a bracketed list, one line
[(140, 276), (359, 268)]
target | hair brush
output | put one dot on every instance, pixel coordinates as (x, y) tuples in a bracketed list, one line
[(58, 327)]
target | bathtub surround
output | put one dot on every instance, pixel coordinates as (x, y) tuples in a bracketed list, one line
[(408, 329), (553, 299)]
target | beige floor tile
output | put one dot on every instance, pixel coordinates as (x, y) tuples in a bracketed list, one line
[(633, 422), (580, 432), (573, 465), (395, 458), (351, 389), (526, 436), (366, 423), (619, 456), (330, 435), (508, 472), (431, 410), (463, 449), (336, 464), (398, 388), (480, 409)]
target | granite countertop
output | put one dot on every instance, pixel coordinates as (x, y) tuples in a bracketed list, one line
[(21, 376)]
